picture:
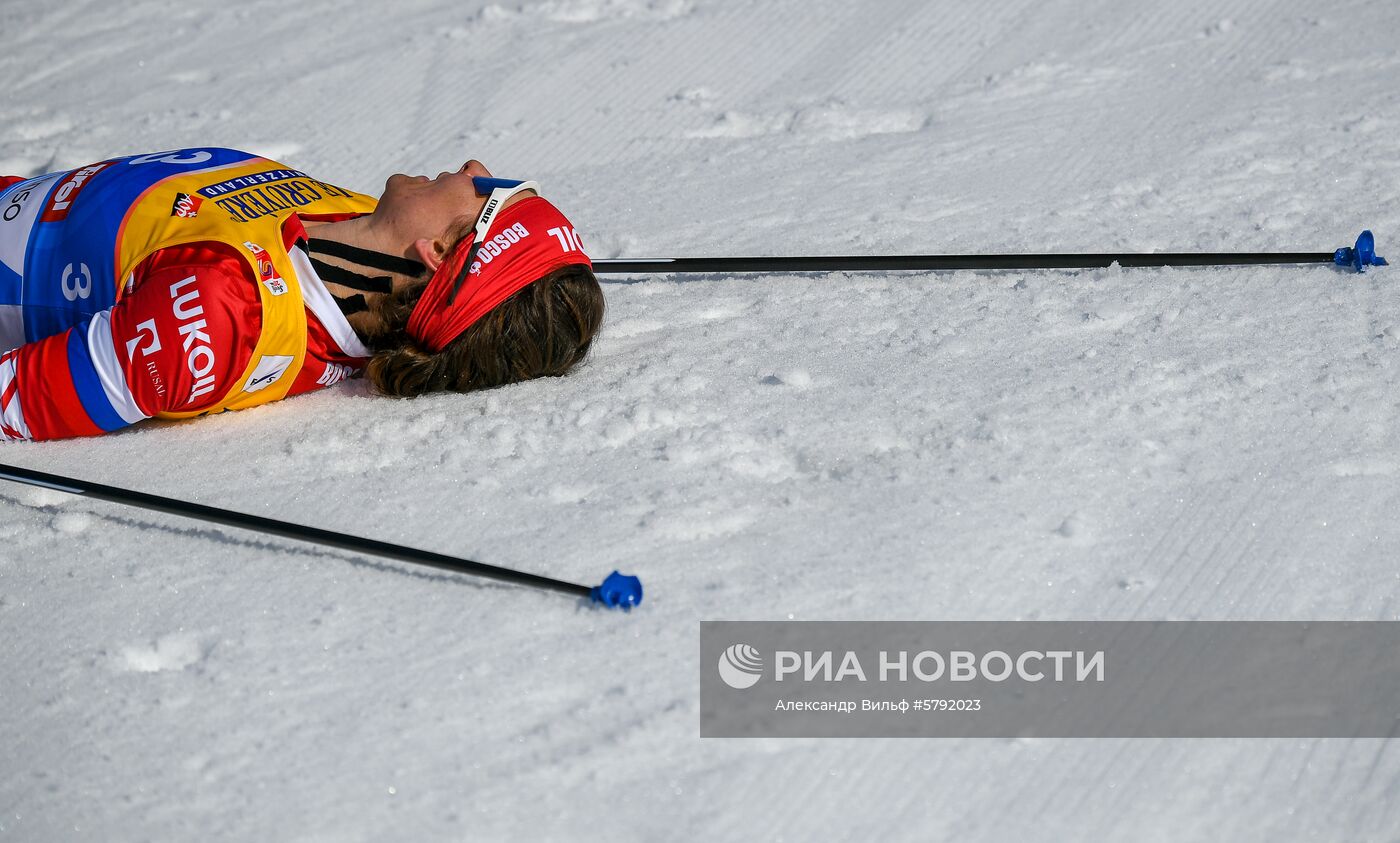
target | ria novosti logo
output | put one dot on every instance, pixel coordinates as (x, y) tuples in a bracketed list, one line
[(740, 666)]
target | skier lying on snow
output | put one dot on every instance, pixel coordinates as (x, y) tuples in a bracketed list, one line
[(201, 280)]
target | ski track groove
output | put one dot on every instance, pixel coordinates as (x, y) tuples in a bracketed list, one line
[(1209, 567), (1168, 536), (1224, 548), (1182, 571), (1087, 803), (1178, 548), (1390, 784), (1073, 761), (1267, 543), (1305, 764), (1249, 606), (1262, 542), (1274, 500)]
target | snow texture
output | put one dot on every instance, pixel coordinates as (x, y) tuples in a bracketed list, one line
[(1114, 444)]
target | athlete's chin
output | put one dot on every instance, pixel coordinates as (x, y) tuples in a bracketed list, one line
[(403, 179)]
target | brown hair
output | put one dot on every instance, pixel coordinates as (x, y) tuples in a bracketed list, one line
[(545, 328)]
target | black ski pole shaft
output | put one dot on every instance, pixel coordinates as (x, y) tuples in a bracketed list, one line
[(1358, 257), (617, 590), (864, 263)]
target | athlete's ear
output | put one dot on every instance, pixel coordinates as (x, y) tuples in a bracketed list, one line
[(431, 253)]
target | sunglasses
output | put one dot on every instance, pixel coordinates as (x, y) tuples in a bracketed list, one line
[(497, 192)]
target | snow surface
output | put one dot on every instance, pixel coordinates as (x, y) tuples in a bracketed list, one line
[(1150, 444)]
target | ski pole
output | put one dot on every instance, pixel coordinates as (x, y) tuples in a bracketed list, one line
[(616, 591), (1358, 257)]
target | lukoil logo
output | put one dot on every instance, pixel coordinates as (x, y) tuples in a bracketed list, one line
[(740, 666)]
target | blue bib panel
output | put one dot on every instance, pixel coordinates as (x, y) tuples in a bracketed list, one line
[(60, 233)]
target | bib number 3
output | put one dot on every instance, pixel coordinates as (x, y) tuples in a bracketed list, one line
[(76, 285)]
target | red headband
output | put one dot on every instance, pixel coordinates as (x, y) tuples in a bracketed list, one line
[(532, 238)]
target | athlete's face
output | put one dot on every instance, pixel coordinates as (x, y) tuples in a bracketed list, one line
[(433, 209), (429, 207)]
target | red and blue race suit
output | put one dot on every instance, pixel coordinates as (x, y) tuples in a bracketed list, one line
[(102, 325)]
